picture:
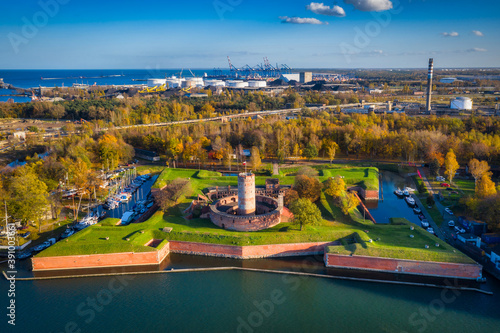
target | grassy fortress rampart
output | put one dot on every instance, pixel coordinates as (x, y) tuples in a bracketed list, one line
[(344, 234)]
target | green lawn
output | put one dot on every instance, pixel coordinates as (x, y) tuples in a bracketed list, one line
[(394, 241), (388, 239)]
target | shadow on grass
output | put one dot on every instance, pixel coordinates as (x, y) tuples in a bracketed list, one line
[(352, 242)]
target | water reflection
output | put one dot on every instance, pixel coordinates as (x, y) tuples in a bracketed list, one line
[(391, 205)]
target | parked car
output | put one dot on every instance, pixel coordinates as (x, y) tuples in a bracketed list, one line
[(445, 185), (459, 230), (440, 178), (430, 230), (448, 211), (451, 223)]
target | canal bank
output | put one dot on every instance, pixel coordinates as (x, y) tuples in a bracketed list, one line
[(331, 259)]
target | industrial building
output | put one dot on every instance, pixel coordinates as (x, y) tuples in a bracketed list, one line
[(305, 77), (448, 80), (290, 77), (461, 103)]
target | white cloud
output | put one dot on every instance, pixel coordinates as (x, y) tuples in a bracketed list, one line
[(450, 34), (321, 9), (477, 49), (301, 20), (370, 5), (477, 33)]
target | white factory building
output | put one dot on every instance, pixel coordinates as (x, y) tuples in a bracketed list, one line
[(290, 77), (448, 80), (461, 103)]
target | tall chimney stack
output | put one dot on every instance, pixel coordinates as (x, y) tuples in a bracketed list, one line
[(429, 84)]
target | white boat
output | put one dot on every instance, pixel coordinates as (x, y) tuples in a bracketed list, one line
[(410, 201), (406, 193), (398, 192)]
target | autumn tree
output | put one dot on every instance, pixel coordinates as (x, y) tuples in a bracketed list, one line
[(28, 196), (307, 187), (335, 187), (57, 111), (349, 202), (331, 149), (485, 187), (311, 151), (478, 169), (305, 212), (228, 155), (255, 159), (290, 196), (451, 165)]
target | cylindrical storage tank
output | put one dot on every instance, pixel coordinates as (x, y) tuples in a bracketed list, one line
[(257, 84), (461, 103), (189, 83), (156, 82), (246, 193)]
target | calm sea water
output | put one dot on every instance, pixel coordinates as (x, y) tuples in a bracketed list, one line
[(66, 78)]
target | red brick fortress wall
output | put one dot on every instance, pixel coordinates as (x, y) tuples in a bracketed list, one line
[(466, 271), (101, 260), (249, 252)]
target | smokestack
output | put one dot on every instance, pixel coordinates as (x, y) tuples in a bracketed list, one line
[(429, 84)]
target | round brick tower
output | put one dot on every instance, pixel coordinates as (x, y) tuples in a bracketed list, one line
[(246, 193)]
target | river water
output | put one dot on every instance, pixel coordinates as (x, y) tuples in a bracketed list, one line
[(235, 301), (241, 301)]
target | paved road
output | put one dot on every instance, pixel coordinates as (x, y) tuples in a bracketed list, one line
[(238, 115), (440, 207)]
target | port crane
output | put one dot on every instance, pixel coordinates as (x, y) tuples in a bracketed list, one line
[(260, 70)]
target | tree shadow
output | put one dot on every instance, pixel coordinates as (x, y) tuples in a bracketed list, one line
[(352, 242)]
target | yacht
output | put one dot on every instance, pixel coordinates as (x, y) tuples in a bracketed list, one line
[(399, 193), (410, 201)]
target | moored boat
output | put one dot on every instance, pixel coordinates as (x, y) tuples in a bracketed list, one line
[(410, 201), (399, 193)]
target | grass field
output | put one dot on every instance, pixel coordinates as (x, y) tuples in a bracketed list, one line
[(394, 239)]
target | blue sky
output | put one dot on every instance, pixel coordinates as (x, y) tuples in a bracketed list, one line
[(60, 34)]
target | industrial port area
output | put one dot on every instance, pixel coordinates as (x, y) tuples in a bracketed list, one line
[(250, 166), (468, 91)]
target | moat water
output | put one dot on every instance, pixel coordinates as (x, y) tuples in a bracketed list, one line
[(240, 301), (390, 205)]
